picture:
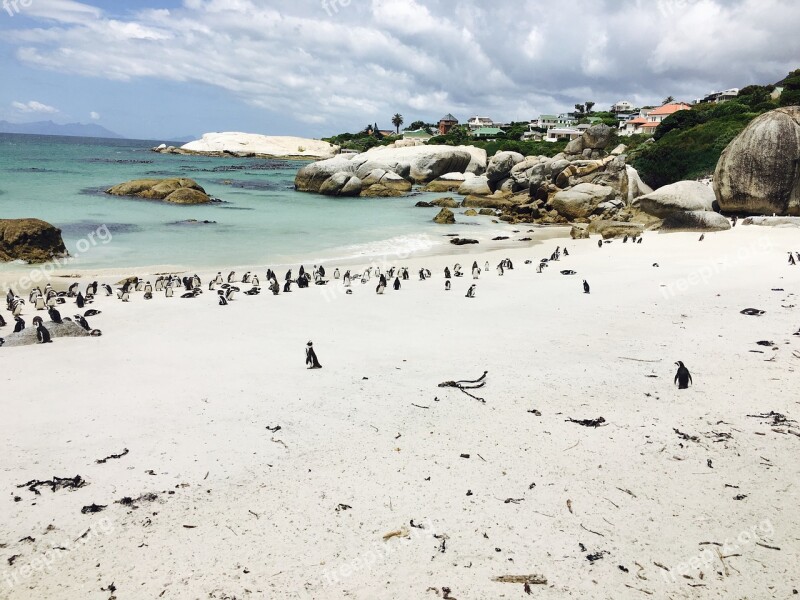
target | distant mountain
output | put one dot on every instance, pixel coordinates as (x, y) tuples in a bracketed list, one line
[(50, 128)]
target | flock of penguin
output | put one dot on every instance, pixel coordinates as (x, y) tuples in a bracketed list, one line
[(47, 300)]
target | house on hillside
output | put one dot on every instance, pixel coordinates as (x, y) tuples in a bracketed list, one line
[(559, 134), (719, 97), (478, 122), (649, 119), (550, 121), (622, 106), (446, 123), (486, 133)]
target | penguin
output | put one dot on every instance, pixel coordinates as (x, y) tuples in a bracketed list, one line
[(79, 300), (702, 237), (381, 287), (254, 281), (336, 274), (39, 303), (167, 293), (500, 269), (405, 274), (148, 288), (311, 357), (509, 264), (246, 278), (422, 274), (287, 287), (2, 341), (41, 332), (148, 295), (254, 291), (211, 285), (471, 291), (655, 265), (71, 292), (92, 288), (599, 243), (346, 279), (288, 275), (19, 324), (231, 275), (82, 322), (639, 241), (625, 239), (2, 321), (447, 285), (396, 284), (55, 316), (321, 271), (586, 289), (476, 271), (274, 287), (160, 284), (107, 289), (222, 300), (486, 266), (139, 285), (447, 272), (92, 313), (683, 378), (566, 252), (791, 259)]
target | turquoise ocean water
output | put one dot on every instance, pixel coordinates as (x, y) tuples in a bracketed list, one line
[(261, 221)]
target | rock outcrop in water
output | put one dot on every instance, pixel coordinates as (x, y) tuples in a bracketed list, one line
[(175, 190), (31, 240), (251, 145), (758, 172), (412, 165)]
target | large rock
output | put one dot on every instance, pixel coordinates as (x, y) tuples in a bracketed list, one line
[(695, 220), (445, 217), (30, 240), (574, 146), (614, 229), (486, 202), (178, 190), (477, 186), (677, 197), (446, 203), (635, 187), (341, 184), (500, 165), (772, 221), (449, 182), (597, 137), (581, 200), (758, 172), (250, 144), (27, 337), (310, 177), (384, 184)]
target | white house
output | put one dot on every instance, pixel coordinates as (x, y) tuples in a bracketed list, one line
[(557, 134), (622, 106), (649, 119), (478, 122)]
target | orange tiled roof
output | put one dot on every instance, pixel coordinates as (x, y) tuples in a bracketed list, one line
[(637, 121), (651, 124), (668, 109)]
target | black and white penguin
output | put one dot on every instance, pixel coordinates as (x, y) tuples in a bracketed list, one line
[(447, 272), (447, 285), (471, 291), (55, 316), (275, 288), (396, 284), (72, 291), (311, 357), (586, 289), (231, 276), (107, 289), (168, 293), (2, 321), (625, 239), (321, 271), (222, 300), (566, 252), (702, 237), (791, 259), (92, 313), (19, 324), (253, 291), (476, 271), (139, 285), (682, 378), (639, 241), (599, 243), (287, 287), (346, 280), (41, 332), (336, 274), (39, 303), (80, 320), (254, 281), (246, 278), (381, 287), (79, 300)]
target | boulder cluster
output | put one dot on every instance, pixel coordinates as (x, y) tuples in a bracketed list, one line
[(179, 190)]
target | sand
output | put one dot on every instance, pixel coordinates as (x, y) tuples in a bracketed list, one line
[(370, 442)]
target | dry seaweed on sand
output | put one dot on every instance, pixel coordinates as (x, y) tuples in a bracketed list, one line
[(55, 484), (467, 384), (598, 422), (529, 579), (102, 461)]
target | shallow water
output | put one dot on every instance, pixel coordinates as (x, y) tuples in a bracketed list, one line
[(261, 220)]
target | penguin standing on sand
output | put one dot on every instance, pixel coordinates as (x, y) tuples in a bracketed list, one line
[(566, 252), (447, 285), (2, 321), (381, 286), (476, 271), (396, 284), (702, 237), (599, 243), (791, 259), (336, 274), (41, 331), (683, 378), (19, 324), (311, 357), (639, 241), (447, 272), (586, 289), (223, 301), (471, 291), (79, 300)]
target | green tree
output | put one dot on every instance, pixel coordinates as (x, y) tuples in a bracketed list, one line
[(397, 120), (668, 100), (589, 106), (580, 108)]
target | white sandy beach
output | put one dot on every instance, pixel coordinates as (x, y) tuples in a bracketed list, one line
[(190, 388)]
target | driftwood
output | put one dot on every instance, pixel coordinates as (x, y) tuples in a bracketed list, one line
[(55, 484), (467, 384)]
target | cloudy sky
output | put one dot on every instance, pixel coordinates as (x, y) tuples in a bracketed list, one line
[(163, 68)]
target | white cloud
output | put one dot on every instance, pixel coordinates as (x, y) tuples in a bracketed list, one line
[(94, 116), (34, 107), (507, 59)]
